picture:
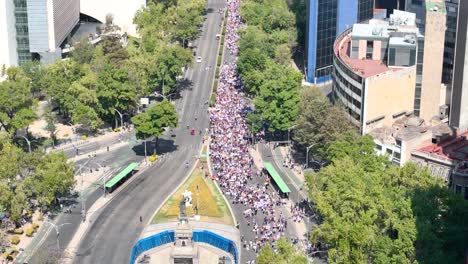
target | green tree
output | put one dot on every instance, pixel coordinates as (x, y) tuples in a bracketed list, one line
[(54, 177), (186, 20), (34, 70), (16, 102), (155, 120), (278, 99), (114, 92), (57, 80), (113, 50), (51, 121), (169, 63), (375, 212), (285, 254), (319, 122), (83, 51)]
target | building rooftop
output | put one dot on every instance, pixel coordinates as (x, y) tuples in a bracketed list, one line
[(363, 68), (399, 30), (453, 148), (370, 30), (436, 6), (407, 128)]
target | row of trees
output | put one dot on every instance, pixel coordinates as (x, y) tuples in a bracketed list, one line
[(265, 63), (98, 83), (94, 85), (375, 212), (29, 179)]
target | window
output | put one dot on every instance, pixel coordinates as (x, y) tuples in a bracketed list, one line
[(466, 193), (379, 147), (390, 152), (391, 56), (412, 59), (458, 189)]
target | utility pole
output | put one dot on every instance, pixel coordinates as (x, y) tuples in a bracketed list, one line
[(307, 155), (56, 227), (27, 141), (121, 117), (198, 200)]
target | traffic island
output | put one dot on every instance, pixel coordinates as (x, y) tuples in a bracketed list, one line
[(205, 195)]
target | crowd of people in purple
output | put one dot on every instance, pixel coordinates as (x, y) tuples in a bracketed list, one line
[(233, 167)]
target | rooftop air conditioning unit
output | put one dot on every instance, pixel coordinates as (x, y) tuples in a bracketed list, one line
[(443, 111)]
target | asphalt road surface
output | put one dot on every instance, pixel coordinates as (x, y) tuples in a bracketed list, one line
[(117, 228)]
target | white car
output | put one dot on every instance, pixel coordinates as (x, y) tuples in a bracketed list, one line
[(198, 59)]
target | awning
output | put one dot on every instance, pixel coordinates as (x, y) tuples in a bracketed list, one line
[(122, 174), (276, 177)]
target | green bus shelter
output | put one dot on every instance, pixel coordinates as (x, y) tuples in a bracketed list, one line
[(276, 177), (111, 184)]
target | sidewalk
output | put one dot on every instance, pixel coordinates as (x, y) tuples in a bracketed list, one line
[(90, 140)]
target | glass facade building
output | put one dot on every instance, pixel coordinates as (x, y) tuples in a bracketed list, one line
[(326, 20), (22, 31)]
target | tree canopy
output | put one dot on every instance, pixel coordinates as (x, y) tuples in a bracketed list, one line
[(155, 119), (25, 177), (285, 253), (375, 212), (16, 101), (265, 63), (319, 122)]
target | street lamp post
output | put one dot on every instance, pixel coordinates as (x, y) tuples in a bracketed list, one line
[(27, 141), (164, 96), (307, 155), (56, 227), (121, 117), (103, 178)]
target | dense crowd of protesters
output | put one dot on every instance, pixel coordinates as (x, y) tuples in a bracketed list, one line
[(229, 146)]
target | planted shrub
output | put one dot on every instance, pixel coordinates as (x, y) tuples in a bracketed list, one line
[(15, 240), (30, 232)]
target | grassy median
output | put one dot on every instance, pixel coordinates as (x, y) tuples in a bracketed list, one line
[(213, 207)]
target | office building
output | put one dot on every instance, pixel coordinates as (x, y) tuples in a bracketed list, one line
[(390, 5), (49, 23), (122, 11), (451, 8), (35, 29), (326, 20), (374, 71), (430, 93), (8, 52), (459, 98)]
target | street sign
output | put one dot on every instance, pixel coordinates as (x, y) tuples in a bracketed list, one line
[(144, 100)]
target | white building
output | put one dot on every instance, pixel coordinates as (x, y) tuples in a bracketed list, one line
[(8, 53), (50, 22), (123, 12), (35, 29)]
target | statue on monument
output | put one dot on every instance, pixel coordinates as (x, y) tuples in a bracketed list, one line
[(187, 198)]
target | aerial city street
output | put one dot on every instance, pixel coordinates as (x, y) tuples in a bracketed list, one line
[(233, 131)]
